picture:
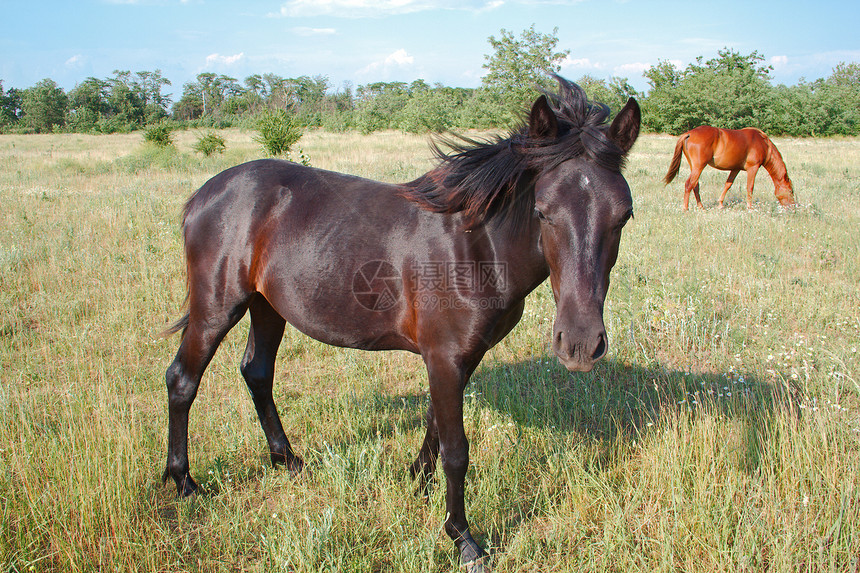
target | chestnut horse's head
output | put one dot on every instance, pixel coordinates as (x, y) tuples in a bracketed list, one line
[(784, 191), (583, 203)]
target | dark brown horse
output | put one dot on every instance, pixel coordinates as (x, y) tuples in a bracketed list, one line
[(730, 150), (439, 266)]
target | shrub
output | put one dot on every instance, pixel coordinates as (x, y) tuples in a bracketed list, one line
[(278, 131), (159, 135), (210, 143)]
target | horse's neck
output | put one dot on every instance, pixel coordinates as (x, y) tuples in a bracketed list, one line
[(774, 164), (516, 246)]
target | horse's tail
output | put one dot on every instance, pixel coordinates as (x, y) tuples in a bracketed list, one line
[(183, 322), (180, 324), (675, 166)]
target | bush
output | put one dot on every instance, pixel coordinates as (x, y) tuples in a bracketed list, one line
[(337, 121), (159, 135), (209, 144), (278, 131)]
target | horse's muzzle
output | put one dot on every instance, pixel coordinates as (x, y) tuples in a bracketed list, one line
[(579, 353)]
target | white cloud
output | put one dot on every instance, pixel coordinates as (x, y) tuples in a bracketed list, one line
[(399, 58), (395, 61), (631, 69), (779, 61), (569, 62), (215, 59), (75, 61), (305, 31), (491, 5), (375, 8)]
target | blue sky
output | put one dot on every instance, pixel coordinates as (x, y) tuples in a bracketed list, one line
[(363, 41)]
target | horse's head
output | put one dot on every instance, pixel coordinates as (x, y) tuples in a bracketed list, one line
[(784, 191), (582, 204)]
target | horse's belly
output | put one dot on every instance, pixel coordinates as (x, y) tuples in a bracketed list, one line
[(351, 313)]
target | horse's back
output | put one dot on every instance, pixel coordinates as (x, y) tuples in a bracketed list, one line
[(258, 184), (726, 149)]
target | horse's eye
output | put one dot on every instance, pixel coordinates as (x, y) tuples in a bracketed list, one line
[(539, 214), (624, 221)]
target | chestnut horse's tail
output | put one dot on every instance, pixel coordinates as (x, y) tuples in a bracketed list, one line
[(676, 159)]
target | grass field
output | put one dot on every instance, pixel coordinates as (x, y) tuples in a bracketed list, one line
[(721, 433)]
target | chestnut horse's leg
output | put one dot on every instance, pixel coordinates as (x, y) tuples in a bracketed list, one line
[(751, 173), (425, 464), (692, 184), (199, 342), (258, 369), (446, 392), (729, 181)]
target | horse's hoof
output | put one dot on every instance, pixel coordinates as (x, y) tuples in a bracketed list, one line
[(296, 466), (473, 558), (185, 486), (480, 565)]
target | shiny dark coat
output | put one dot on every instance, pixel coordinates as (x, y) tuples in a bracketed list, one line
[(439, 266)]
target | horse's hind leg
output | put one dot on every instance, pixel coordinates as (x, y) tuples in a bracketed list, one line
[(425, 464), (692, 184), (698, 197), (727, 186), (199, 342), (258, 369)]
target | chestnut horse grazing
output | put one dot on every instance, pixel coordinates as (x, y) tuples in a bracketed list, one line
[(439, 266), (730, 150)]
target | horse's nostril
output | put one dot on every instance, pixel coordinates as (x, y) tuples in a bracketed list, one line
[(601, 347)]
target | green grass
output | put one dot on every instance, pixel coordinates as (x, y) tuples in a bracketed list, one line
[(721, 433)]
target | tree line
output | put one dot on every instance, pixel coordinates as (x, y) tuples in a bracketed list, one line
[(731, 90)]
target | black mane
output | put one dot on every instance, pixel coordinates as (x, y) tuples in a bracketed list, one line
[(482, 179)]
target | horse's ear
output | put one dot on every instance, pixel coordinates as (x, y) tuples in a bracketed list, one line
[(625, 127), (542, 120)]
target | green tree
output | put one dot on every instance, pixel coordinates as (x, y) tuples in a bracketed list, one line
[(251, 99), (275, 91), (839, 96), (730, 91), (155, 103), (379, 104), (429, 109), (483, 109), (614, 93), (10, 106), (88, 104), (277, 132), (127, 104), (190, 105), (660, 108), (44, 106), (518, 66), (309, 97)]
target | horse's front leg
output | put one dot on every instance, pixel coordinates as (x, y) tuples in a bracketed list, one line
[(425, 464), (751, 173), (446, 393)]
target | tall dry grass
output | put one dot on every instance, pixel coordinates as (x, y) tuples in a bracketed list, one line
[(721, 433)]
